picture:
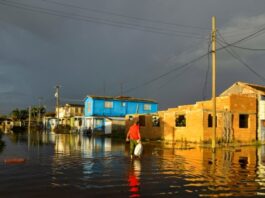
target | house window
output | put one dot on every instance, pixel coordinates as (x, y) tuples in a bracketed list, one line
[(180, 121), (142, 120), (108, 104), (210, 121), (88, 107), (155, 121), (243, 120), (147, 107)]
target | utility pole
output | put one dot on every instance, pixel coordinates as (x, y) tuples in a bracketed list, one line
[(214, 81), (39, 112), (29, 127), (29, 119), (57, 96)]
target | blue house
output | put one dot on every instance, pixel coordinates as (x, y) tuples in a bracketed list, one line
[(102, 113)]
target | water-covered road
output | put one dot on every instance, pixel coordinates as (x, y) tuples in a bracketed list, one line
[(79, 166)]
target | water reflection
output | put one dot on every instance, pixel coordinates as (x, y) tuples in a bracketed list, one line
[(134, 178), (228, 172), (100, 167), (2, 145), (87, 146)]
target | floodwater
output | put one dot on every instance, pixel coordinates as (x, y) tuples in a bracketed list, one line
[(73, 165)]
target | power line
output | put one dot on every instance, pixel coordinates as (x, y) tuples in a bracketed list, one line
[(167, 73), (237, 57), (204, 90), (97, 20), (124, 16), (166, 63), (175, 76), (245, 48), (122, 25), (251, 36)]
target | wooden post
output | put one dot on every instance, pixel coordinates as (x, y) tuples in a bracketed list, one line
[(29, 119), (57, 100), (214, 81)]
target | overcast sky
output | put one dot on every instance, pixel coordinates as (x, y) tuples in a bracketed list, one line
[(136, 48)]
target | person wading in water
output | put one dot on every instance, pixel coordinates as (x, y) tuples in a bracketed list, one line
[(133, 136)]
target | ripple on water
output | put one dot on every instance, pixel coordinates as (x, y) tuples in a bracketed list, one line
[(100, 168)]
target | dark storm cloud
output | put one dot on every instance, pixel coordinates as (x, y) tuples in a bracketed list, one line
[(97, 47)]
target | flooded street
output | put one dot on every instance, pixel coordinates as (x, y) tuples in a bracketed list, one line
[(73, 165)]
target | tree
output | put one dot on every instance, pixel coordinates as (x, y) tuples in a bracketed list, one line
[(15, 114), (23, 114), (19, 115)]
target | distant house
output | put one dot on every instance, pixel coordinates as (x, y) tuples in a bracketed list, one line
[(105, 114), (70, 110), (6, 124), (71, 114)]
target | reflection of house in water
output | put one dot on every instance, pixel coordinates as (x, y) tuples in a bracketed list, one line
[(228, 172), (86, 146), (67, 144), (106, 114), (238, 118), (261, 168), (40, 138)]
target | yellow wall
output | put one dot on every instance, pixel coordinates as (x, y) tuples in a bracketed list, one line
[(193, 130), (148, 131), (196, 129)]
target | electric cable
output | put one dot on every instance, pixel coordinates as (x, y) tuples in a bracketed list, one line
[(167, 73), (124, 16), (251, 36), (97, 20), (204, 90), (245, 48), (238, 58)]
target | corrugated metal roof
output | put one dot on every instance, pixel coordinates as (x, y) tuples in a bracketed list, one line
[(124, 98)]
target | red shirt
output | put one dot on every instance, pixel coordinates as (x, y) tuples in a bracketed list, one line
[(134, 132)]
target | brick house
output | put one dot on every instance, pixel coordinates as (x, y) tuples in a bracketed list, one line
[(236, 121), (256, 91)]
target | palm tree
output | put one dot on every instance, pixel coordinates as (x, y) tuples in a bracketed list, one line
[(15, 114)]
